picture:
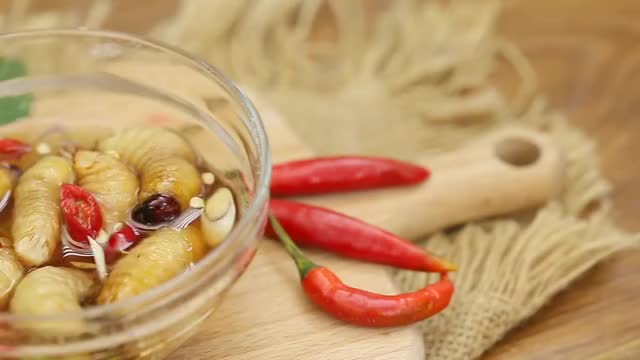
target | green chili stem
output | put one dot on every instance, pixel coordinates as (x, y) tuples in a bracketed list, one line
[(303, 263)]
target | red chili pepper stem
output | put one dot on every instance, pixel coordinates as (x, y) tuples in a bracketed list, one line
[(303, 263), (120, 241)]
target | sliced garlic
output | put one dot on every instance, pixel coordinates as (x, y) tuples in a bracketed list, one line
[(218, 216), (99, 259)]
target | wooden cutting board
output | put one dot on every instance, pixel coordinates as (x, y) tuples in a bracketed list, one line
[(266, 316)]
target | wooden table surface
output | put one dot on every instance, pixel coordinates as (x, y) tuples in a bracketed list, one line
[(585, 52), (588, 55)]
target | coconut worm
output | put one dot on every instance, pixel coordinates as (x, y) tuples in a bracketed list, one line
[(170, 175), (218, 216), (11, 272), (162, 158), (136, 146), (36, 226), (54, 291), (158, 258), (110, 181)]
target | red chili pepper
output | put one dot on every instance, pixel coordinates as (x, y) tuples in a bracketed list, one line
[(323, 228), (81, 212), (120, 241), (13, 149), (341, 174), (362, 307)]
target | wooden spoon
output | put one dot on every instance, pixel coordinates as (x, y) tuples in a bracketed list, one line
[(508, 170)]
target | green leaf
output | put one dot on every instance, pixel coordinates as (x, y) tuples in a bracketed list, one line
[(13, 107)]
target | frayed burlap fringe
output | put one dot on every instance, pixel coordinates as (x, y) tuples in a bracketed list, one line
[(510, 271), (408, 81)]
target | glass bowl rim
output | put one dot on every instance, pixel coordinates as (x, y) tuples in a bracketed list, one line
[(251, 119)]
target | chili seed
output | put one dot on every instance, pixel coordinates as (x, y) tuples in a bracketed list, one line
[(208, 178), (43, 149), (157, 209), (117, 227), (196, 202)]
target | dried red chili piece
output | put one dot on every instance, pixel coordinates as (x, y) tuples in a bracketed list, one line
[(120, 241), (81, 212), (342, 173), (11, 149), (341, 234), (362, 307)]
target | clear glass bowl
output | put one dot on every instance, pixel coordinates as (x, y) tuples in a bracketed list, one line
[(89, 82)]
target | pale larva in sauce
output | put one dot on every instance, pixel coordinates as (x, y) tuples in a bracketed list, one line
[(160, 257), (112, 183), (11, 272), (163, 159), (170, 175), (36, 225), (53, 291), (136, 146)]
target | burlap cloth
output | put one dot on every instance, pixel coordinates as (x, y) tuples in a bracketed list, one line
[(411, 80)]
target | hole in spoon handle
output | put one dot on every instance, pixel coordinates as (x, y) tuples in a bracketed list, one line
[(517, 151)]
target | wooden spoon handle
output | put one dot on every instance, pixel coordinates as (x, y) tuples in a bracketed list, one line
[(511, 169), (508, 170)]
